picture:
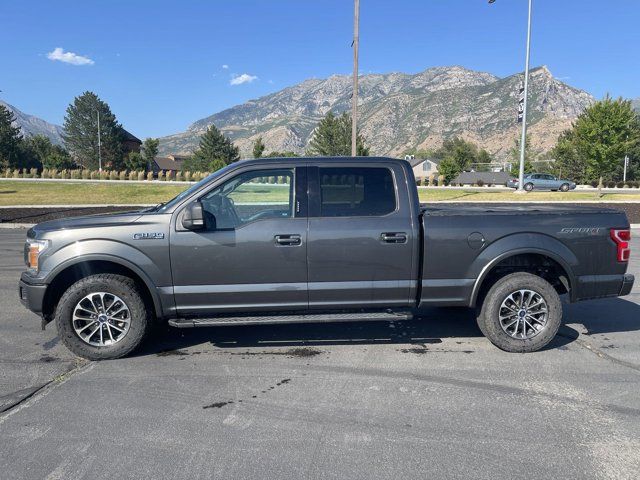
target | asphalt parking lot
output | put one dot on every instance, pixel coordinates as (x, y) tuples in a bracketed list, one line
[(430, 398)]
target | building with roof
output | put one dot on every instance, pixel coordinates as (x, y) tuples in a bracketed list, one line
[(170, 163), (423, 167)]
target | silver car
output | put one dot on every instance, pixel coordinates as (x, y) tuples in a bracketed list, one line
[(543, 181)]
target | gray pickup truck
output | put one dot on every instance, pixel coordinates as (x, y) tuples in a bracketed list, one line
[(317, 240)]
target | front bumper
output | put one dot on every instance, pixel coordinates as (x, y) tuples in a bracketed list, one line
[(31, 295)]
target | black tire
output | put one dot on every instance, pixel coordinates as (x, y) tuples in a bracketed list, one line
[(564, 187), (123, 287), (489, 321), (528, 186)]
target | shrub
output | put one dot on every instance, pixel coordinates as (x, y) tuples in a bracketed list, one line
[(187, 176), (75, 174), (94, 175), (480, 182), (149, 176), (161, 175), (171, 176), (122, 175), (179, 177), (594, 183), (113, 175), (84, 173), (441, 180)]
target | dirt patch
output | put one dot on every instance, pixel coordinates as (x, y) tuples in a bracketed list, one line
[(171, 353), (217, 405)]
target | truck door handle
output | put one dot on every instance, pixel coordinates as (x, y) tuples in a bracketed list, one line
[(393, 237), (288, 240)]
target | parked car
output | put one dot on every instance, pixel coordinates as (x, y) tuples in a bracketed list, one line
[(543, 181), (317, 240)]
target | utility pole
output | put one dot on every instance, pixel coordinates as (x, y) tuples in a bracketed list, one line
[(523, 138), (99, 144), (354, 98), (626, 164)]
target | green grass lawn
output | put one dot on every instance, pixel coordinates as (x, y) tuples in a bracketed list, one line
[(87, 192)]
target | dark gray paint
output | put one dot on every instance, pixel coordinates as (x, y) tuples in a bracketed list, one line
[(341, 263)]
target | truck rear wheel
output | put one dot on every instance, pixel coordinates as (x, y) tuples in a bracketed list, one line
[(520, 313), (102, 317)]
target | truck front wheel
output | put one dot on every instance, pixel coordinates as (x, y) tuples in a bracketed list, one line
[(102, 317), (520, 313)]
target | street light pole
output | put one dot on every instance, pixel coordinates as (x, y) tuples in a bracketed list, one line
[(354, 98), (523, 138), (99, 144)]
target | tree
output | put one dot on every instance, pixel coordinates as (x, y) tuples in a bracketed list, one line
[(214, 145), (258, 148), (600, 137), (149, 151), (332, 138), (456, 156), (568, 164), (40, 146), (10, 140), (58, 159), (285, 154), (136, 162), (81, 133)]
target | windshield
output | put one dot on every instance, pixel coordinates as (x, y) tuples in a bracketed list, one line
[(163, 207)]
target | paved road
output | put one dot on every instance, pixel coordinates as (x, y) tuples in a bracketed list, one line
[(421, 399)]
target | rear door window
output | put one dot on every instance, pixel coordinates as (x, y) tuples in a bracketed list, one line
[(356, 192)]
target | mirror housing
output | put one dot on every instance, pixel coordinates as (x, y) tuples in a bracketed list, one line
[(193, 217)]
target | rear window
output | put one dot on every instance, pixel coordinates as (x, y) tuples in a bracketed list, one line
[(356, 192)]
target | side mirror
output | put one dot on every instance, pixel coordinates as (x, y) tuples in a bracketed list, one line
[(193, 218)]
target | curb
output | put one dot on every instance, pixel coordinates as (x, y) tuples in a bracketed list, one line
[(16, 226)]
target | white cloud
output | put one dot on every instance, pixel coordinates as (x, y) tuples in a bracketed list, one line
[(69, 57), (225, 66), (244, 78)]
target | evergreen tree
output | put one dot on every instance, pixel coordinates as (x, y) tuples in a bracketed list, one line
[(332, 138), (286, 154), (59, 159), (214, 145), (10, 140), (258, 148), (193, 164), (149, 151), (40, 146), (81, 133), (135, 162)]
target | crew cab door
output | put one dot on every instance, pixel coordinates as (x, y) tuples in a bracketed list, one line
[(362, 242), (252, 253)]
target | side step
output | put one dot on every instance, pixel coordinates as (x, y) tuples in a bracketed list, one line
[(300, 318)]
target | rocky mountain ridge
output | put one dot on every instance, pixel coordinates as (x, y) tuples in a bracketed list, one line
[(400, 111), (32, 125)]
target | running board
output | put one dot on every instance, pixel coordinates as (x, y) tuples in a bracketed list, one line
[(302, 318)]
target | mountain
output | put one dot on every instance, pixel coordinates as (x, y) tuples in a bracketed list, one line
[(398, 111), (31, 125)]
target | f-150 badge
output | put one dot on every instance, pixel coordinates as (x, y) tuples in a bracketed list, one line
[(148, 236)]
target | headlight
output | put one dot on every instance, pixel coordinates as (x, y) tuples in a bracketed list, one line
[(32, 251)]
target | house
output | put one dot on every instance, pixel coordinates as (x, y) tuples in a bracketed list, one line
[(130, 143), (423, 167), (170, 163)]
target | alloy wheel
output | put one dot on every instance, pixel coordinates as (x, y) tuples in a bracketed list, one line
[(523, 314), (101, 319)]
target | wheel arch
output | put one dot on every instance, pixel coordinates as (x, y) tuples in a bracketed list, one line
[(64, 275), (540, 246)]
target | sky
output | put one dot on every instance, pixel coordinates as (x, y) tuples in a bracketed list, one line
[(162, 64)]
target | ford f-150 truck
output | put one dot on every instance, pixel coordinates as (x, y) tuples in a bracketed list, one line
[(318, 240)]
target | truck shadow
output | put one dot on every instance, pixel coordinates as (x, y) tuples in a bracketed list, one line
[(599, 316)]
